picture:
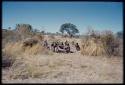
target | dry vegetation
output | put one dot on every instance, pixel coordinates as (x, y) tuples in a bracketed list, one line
[(65, 68), (26, 58), (105, 44), (20, 58), (18, 49)]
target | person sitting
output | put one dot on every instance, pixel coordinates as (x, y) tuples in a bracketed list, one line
[(67, 48), (77, 47), (66, 42), (52, 47), (56, 46), (45, 43), (61, 47)]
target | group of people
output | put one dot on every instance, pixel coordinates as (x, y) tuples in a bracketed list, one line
[(61, 46)]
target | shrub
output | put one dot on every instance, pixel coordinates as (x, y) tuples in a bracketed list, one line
[(38, 37), (99, 44), (92, 48), (23, 28), (16, 50)]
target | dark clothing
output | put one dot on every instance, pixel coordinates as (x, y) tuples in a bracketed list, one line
[(77, 47), (45, 44), (67, 48)]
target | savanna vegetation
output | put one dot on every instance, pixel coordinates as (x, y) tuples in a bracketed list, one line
[(23, 47)]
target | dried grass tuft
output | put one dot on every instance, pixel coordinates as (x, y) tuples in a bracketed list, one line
[(16, 50), (92, 48), (97, 44)]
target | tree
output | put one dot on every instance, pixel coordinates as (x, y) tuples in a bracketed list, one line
[(23, 28), (43, 32), (71, 29), (119, 34), (57, 33), (9, 28), (36, 30)]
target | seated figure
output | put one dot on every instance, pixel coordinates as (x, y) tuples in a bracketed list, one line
[(61, 47), (77, 47), (67, 48)]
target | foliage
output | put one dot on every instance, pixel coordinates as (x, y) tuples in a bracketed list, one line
[(71, 29), (119, 34), (23, 28)]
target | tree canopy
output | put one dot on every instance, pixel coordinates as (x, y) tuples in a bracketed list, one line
[(71, 29), (24, 28)]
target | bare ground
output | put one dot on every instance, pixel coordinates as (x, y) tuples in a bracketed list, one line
[(75, 68)]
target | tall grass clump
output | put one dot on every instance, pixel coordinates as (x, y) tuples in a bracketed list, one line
[(29, 66), (16, 50), (101, 44), (23, 60), (10, 53)]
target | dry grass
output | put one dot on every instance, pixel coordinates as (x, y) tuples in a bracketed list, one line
[(32, 66), (38, 62), (13, 49), (92, 48), (29, 66), (38, 37), (16, 50), (37, 49), (23, 61), (65, 68), (105, 44)]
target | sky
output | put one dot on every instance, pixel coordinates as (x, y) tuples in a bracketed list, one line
[(49, 16)]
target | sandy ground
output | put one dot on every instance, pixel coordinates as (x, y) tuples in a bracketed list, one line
[(76, 68)]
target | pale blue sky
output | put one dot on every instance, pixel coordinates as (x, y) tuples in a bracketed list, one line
[(49, 16)]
